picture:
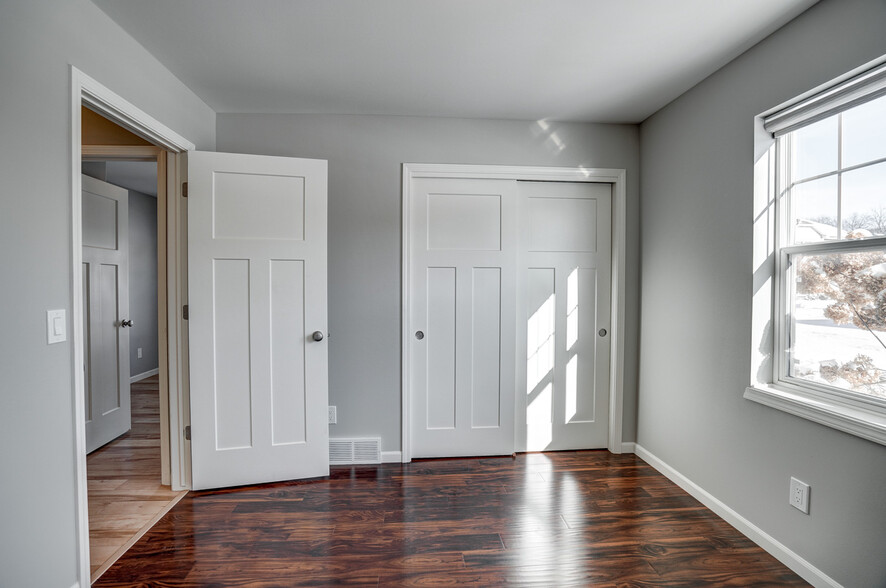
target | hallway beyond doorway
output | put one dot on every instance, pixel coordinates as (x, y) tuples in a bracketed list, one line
[(125, 494)]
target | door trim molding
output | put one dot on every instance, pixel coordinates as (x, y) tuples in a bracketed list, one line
[(617, 178), (87, 91)]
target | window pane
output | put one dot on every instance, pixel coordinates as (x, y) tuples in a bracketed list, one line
[(838, 331), (815, 149), (814, 210), (864, 201), (864, 133)]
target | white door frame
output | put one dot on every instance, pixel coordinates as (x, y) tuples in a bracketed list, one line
[(87, 91), (616, 177)]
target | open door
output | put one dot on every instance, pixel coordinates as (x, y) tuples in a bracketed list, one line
[(105, 311), (257, 318)]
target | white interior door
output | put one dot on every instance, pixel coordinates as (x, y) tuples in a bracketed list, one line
[(105, 225), (565, 273), (257, 299), (463, 307)]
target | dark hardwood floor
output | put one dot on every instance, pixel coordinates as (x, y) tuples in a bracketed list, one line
[(587, 518)]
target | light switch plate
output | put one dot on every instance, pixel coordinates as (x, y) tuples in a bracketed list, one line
[(56, 326)]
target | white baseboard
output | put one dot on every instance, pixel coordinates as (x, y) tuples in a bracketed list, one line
[(76, 585), (391, 457), (775, 548), (628, 447), (143, 375)]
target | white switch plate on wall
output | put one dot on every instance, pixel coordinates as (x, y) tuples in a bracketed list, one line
[(56, 326)]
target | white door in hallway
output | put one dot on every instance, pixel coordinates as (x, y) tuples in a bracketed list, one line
[(564, 324), (462, 300), (258, 318), (105, 226)]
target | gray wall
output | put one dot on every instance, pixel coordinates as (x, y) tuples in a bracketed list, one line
[(142, 282), (365, 154), (697, 197), (38, 41)]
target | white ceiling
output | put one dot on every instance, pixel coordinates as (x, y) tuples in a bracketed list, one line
[(140, 176), (567, 60)]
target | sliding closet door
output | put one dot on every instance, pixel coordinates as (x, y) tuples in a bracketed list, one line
[(462, 299), (564, 325)]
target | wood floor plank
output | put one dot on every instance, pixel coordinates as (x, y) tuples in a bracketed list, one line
[(585, 518)]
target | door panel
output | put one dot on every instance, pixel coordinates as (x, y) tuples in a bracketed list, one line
[(486, 347), (441, 345), (463, 300), (567, 272), (257, 292), (287, 352), (105, 226)]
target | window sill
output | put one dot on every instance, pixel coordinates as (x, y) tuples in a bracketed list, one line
[(867, 424)]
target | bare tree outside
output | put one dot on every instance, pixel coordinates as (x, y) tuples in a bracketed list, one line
[(873, 221), (855, 221), (877, 221)]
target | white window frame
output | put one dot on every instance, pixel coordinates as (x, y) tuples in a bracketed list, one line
[(771, 383)]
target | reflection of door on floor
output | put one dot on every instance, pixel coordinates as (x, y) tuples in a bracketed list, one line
[(105, 311)]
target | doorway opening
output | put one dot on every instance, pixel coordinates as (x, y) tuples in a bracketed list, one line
[(127, 417), (143, 139)]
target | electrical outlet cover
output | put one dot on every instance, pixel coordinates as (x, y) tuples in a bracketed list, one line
[(799, 497), (333, 415)]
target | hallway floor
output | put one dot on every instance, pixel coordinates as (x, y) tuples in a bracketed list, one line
[(123, 478)]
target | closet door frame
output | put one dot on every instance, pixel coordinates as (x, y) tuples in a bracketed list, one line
[(615, 177)]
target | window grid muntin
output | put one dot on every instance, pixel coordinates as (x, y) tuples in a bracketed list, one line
[(785, 225), (845, 170)]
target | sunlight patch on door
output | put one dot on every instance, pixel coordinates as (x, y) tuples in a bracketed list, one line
[(540, 367)]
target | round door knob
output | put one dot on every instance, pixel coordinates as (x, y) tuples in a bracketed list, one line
[(419, 335), (602, 332), (126, 323), (317, 336)]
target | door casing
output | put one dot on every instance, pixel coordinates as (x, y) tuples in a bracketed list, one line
[(89, 92), (616, 177)]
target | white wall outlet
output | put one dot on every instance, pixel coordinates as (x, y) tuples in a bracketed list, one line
[(333, 415), (139, 352), (799, 498), (56, 326)]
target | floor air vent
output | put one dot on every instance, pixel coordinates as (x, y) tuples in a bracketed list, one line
[(354, 451)]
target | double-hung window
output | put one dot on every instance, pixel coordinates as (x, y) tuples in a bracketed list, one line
[(826, 251)]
